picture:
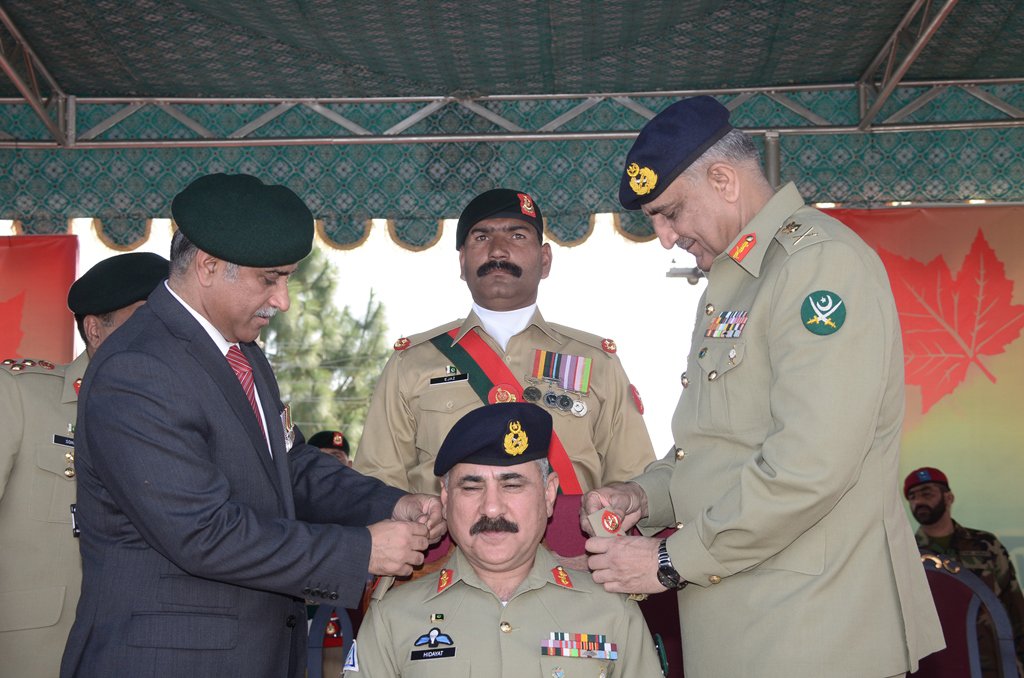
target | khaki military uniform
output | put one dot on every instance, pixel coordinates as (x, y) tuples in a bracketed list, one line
[(40, 569), (983, 554), (794, 537), (453, 625), (420, 396)]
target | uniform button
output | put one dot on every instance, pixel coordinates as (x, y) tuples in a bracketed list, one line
[(712, 375), (69, 472), (709, 309), (70, 457), (307, 591), (679, 526), (680, 453), (714, 579), (703, 352), (290, 621), (684, 380), (505, 627), (333, 595)]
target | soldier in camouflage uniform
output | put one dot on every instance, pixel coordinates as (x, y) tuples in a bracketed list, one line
[(931, 500)]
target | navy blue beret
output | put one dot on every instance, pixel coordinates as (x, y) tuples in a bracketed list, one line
[(668, 144), (497, 203), (503, 434), (117, 282), (238, 218)]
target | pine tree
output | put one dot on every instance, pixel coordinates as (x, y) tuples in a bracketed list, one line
[(326, 359)]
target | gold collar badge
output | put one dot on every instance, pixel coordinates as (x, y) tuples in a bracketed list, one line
[(516, 441), (641, 179)]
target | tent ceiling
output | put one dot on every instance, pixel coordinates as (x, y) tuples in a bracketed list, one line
[(140, 52)]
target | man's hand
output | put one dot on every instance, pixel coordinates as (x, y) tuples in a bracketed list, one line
[(625, 564), (627, 500), (424, 509), (396, 546)]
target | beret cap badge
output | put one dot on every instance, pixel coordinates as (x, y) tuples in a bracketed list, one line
[(516, 440), (642, 180)]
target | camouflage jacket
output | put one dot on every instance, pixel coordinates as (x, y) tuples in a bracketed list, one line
[(983, 554)]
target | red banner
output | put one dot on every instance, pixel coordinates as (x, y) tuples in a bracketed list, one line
[(35, 274)]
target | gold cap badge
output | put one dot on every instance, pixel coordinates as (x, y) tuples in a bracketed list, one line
[(641, 179), (516, 441)]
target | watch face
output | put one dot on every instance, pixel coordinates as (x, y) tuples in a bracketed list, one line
[(669, 578)]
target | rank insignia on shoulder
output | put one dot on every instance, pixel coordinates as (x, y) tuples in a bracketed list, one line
[(790, 227), (445, 579), (743, 247), (402, 344), (823, 312), (561, 577), (608, 345)]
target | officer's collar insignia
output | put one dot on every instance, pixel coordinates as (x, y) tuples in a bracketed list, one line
[(77, 385), (526, 205), (445, 579), (641, 179), (608, 346), (402, 344), (561, 577), (433, 638), (823, 312), (743, 247), (516, 440)]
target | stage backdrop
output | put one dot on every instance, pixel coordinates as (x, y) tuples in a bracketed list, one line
[(958, 277), (35, 274)]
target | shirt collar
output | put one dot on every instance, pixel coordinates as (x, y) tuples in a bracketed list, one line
[(222, 344), (750, 246)]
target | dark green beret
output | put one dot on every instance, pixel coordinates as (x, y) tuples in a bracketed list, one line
[(238, 218), (503, 434), (117, 282), (334, 440), (496, 203)]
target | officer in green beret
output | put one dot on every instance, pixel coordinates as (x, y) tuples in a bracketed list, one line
[(501, 606), (40, 570), (205, 517), (505, 350), (792, 554)]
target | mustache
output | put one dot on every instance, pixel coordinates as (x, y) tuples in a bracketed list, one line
[(499, 524), (268, 312), (499, 265)]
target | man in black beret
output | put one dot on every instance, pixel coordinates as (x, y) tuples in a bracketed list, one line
[(793, 554), (505, 350), (205, 518), (334, 443), (501, 596), (41, 570)]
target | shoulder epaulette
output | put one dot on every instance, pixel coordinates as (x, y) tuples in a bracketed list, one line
[(31, 366), (603, 344), (410, 341), (806, 227), (381, 586)]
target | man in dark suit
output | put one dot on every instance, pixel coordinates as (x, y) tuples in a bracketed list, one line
[(206, 519)]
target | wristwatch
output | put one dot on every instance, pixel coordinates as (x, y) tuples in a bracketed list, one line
[(667, 574)]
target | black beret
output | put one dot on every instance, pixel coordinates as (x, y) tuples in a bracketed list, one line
[(329, 439), (497, 203), (238, 218), (117, 282), (668, 144), (503, 434)]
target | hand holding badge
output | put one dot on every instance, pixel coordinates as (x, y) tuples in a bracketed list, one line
[(605, 523)]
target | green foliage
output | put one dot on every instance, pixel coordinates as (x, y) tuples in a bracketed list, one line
[(326, 359)]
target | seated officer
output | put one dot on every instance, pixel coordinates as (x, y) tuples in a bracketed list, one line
[(502, 606), (333, 443)]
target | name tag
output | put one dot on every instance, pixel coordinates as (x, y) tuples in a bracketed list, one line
[(449, 378), (63, 440), (432, 654)]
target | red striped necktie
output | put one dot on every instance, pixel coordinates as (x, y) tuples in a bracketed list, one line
[(243, 370)]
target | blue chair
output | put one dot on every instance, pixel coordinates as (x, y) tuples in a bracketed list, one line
[(959, 596)]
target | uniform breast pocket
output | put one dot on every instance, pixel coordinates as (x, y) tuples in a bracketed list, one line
[(577, 667), (53, 487), (720, 376), (439, 408)]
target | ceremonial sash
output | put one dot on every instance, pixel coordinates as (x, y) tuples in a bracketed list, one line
[(485, 368)]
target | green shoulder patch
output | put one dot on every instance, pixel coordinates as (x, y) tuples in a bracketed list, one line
[(823, 312)]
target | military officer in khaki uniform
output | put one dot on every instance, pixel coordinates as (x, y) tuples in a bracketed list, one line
[(40, 569), (505, 350), (797, 552), (502, 606)]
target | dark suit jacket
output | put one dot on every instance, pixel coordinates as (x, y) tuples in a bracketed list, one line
[(198, 547)]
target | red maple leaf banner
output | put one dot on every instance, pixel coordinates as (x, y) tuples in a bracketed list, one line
[(950, 323)]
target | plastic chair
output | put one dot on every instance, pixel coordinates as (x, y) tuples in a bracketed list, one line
[(959, 596)]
